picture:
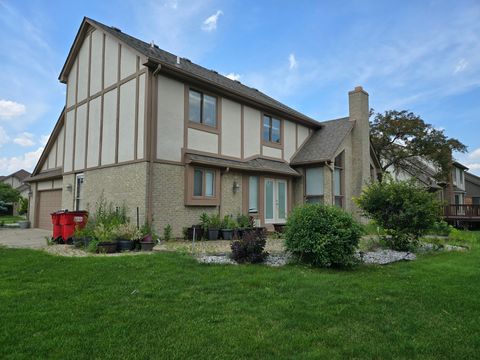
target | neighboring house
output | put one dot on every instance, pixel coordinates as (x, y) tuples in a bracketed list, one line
[(16, 181), (472, 189), (423, 171), (172, 140)]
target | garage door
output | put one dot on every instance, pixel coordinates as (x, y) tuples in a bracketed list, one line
[(48, 202)]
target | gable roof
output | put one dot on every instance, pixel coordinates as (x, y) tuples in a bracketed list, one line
[(324, 143), (20, 175), (50, 143), (474, 179), (183, 67)]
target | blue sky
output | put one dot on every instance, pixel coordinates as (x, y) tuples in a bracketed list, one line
[(423, 56)]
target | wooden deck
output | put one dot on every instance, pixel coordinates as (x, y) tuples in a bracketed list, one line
[(462, 212)]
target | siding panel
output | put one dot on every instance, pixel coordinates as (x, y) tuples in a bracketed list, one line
[(94, 133), (126, 131), (80, 133), (109, 127)]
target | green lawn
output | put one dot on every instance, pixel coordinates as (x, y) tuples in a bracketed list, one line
[(167, 306), (8, 219)]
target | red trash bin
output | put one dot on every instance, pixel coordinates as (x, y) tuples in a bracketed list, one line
[(57, 228), (71, 220)]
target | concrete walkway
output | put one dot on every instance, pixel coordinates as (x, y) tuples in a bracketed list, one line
[(24, 238)]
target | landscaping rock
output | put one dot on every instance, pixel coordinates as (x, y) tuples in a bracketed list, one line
[(276, 260), (216, 259), (382, 257)]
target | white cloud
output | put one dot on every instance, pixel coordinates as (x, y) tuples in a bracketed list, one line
[(10, 109), (4, 138), (292, 62), (474, 155), (210, 23), (25, 139), (26, 161), (233, 76), (461, 65)]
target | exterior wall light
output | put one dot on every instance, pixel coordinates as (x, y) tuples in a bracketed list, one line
[(236, 186)]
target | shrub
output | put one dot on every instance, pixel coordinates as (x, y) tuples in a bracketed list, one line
[(245, 222), (229, 223), (22, 206), (321, 235), (404, 210), (167, 233), (441, 228), (127, 231), (251, 248)]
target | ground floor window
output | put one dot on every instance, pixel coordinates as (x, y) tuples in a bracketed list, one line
[(253, 194), (314, 185), (202, 186), (79, 180), (338, 180)]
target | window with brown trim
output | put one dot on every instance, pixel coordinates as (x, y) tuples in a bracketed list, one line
[(203, 186), (272, 129), (202, 108), (314, 185), (338, 180)]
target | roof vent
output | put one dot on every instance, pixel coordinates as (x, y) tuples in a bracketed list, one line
[(188, 60), (215, 72), (237, 81), (178, 60), (116, 29), (152, 44)]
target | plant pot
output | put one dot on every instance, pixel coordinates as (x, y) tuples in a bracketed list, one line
[(25, 224), (147, 246), (136, 245), (78, 242), (147, 238), (124, 245), (227, 234), (213, 234), (86, 241), (198, 232), (106, 247)]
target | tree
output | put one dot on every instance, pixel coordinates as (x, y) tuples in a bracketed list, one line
[(400, 137), (405, 210), (8, 194)]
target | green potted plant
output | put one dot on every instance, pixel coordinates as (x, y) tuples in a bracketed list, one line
[(126, 234), (105, 239), (244, 224), (214, 225), (228, 227), (149, 237)]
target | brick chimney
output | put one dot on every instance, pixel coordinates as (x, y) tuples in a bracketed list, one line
[(359, 114)]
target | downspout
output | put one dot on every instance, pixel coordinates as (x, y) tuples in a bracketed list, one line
[(151, 134)]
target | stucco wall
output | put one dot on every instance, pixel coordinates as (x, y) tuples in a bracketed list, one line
[(231, 128), (251, 131)]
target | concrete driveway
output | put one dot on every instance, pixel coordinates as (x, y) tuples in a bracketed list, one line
[(24, 238)]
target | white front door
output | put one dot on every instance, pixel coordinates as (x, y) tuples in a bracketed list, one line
[(275, 201)]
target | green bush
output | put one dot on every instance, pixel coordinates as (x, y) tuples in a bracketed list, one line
[(404, 210), (441, 228), (321, 235), (22, 206)]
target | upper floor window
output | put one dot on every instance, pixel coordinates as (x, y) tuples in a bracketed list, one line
[(271, 129), (202, 108)]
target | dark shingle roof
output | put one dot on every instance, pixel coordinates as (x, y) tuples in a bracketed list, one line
[(20, 175), (324, 142), (51, 174), (256, 165), (165, 58)]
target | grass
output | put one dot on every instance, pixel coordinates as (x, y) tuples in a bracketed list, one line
[(9, 219), (168, 306)]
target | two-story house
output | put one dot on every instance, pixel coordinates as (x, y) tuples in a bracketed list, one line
[(16, 181), (172, 139)]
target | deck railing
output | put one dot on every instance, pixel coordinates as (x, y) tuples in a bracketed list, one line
[(461, 211)]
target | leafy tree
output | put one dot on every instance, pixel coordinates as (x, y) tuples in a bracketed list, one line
[(8, 194), (405, 210), (401, 136)]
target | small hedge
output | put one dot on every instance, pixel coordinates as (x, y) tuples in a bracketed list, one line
[(251, 247), (324, 236)]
